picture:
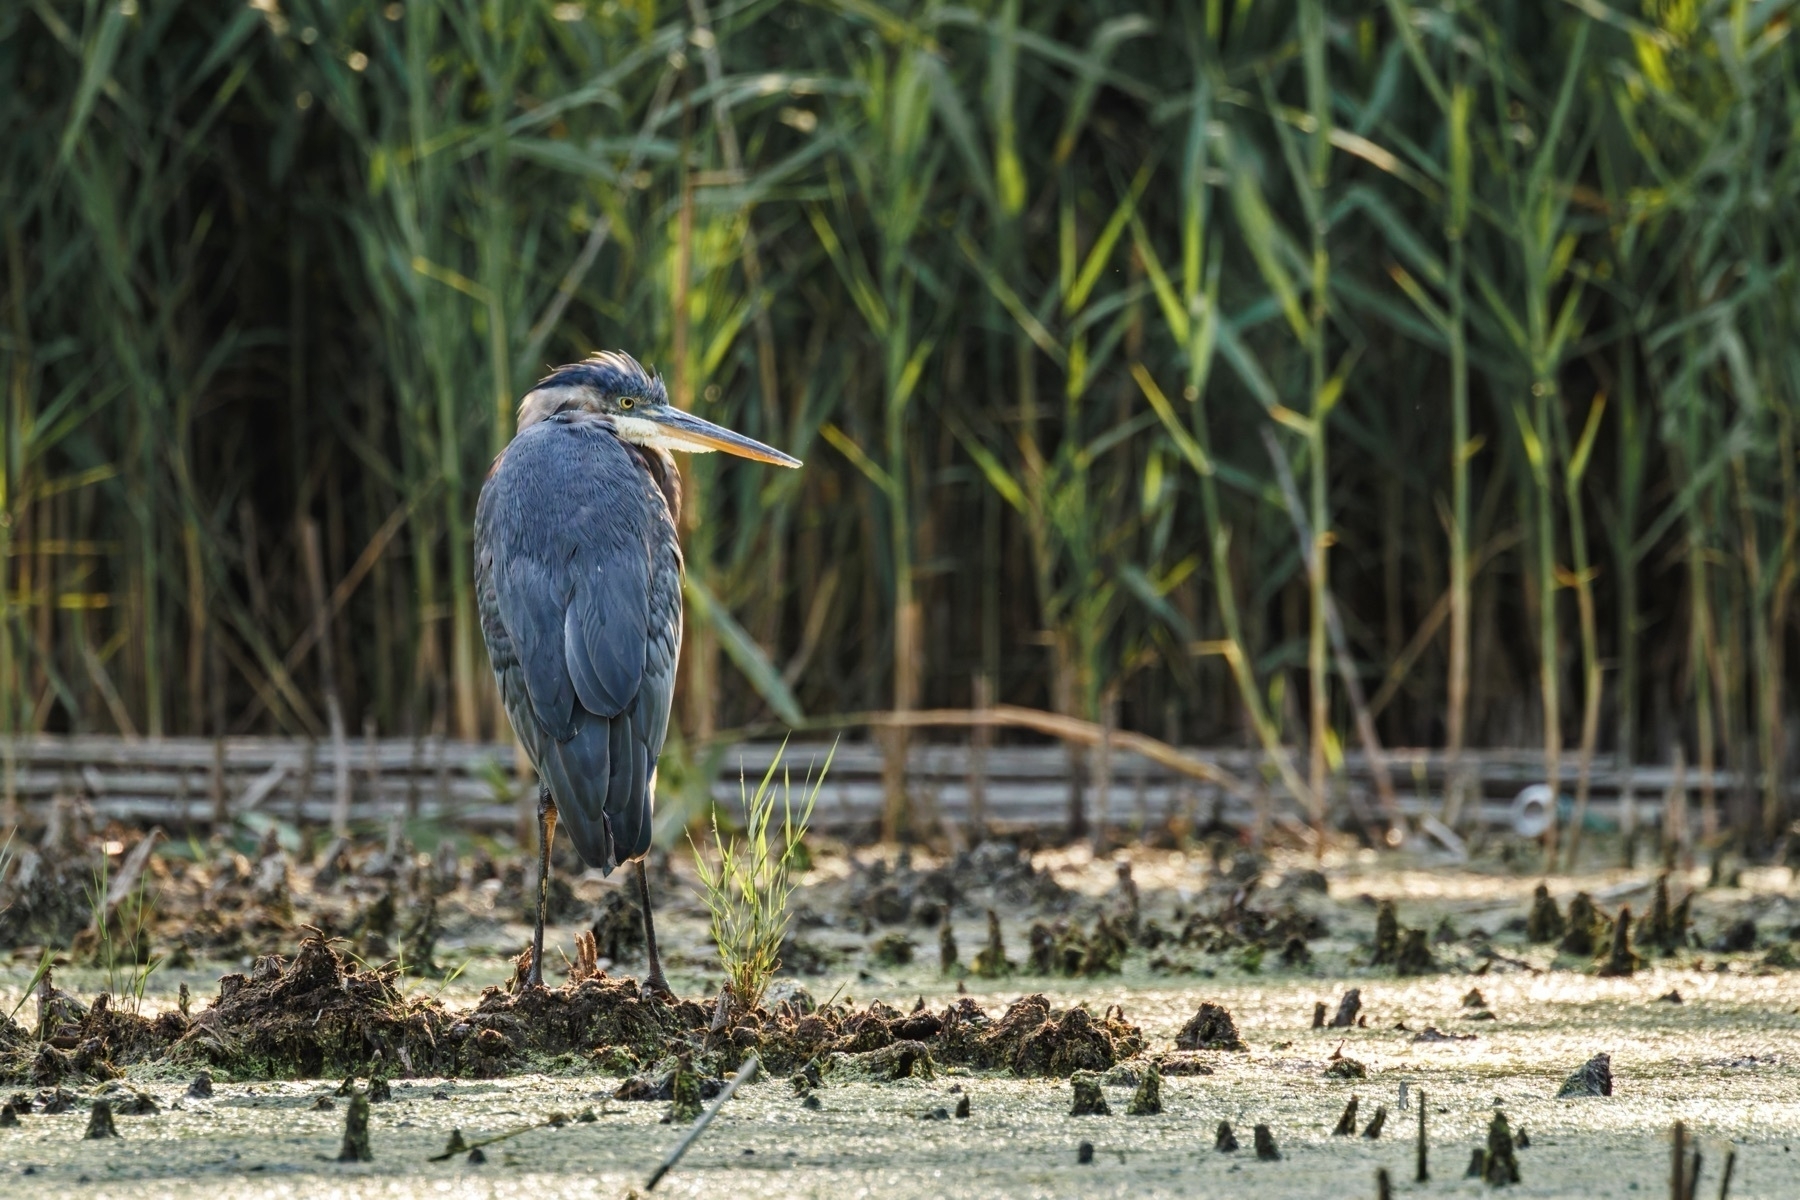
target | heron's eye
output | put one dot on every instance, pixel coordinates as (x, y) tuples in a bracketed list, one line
[(626, 402)]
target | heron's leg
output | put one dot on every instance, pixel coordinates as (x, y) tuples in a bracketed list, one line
[(655, 981), (546, 834)]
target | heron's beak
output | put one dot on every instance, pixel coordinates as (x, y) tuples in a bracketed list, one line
[(673, 429)]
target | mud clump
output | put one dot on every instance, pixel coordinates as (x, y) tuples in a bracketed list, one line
[(310, 1017), (1593, 1078), (313, 1016), (1585, 927), (1089, 1100), (897, 1060), (1387, 935), (1062, 949), (1182, 1062), (44, 899), (618, 926), (1739, 937), (1414, 956), (1032, 1040), (658, 1082), (892, 950), (100, 1122), (551, 1021), (1545, 923), (1211, 1028)]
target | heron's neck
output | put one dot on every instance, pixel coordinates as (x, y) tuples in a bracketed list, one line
[(661, 465)]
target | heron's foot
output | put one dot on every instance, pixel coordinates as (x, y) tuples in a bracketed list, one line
[(657, 986), (528, 973)]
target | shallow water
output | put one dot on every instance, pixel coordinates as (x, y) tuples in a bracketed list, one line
[(1724, 1063)]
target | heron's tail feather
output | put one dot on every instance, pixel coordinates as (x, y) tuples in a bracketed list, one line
[(600, 779), (578, 771)]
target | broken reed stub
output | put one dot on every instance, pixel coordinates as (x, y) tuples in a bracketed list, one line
[(1084, 1153), (1384, 1187), (9, 1116), (991, 961), (1592, 1078), (1147, 1100), (356, 1132), (1224, 1140), (1545, 923), (1373, 1129), (1346, 1125), (962, 1107), (1089, 1100), (1348, 1007), (1622, 960), (1499, 1167), (685, 1104), (100, 1122), (1265, 1145)]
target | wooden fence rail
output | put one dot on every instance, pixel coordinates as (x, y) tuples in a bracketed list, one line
[(182, 782)]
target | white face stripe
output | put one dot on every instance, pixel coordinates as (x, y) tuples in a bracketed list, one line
[(641, 431)]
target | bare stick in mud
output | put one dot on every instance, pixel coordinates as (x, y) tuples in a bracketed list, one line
[(1423, 1175), (1678, 1160), (745, 1074)]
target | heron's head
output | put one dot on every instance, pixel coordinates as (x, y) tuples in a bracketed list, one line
[(614, 384)]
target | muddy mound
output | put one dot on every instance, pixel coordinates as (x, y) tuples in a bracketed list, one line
[(1034, 1039), (312, 1017), (44, 898), (1030, 1039), (594, 1016), (995, 874)]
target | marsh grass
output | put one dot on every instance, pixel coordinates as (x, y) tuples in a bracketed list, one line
[(121, 937), (1027, 285), (747, 879)]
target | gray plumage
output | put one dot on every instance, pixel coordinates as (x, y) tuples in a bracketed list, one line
[(578, 583), (578, 580)]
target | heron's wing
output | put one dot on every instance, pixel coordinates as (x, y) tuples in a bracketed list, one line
[(577, 567)]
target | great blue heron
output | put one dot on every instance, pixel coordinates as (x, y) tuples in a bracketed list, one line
[(578, 579)]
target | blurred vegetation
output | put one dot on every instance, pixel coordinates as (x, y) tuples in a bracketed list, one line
[(1093, 321)]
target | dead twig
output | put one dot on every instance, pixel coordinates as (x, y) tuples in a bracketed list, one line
[(745, 1074)]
